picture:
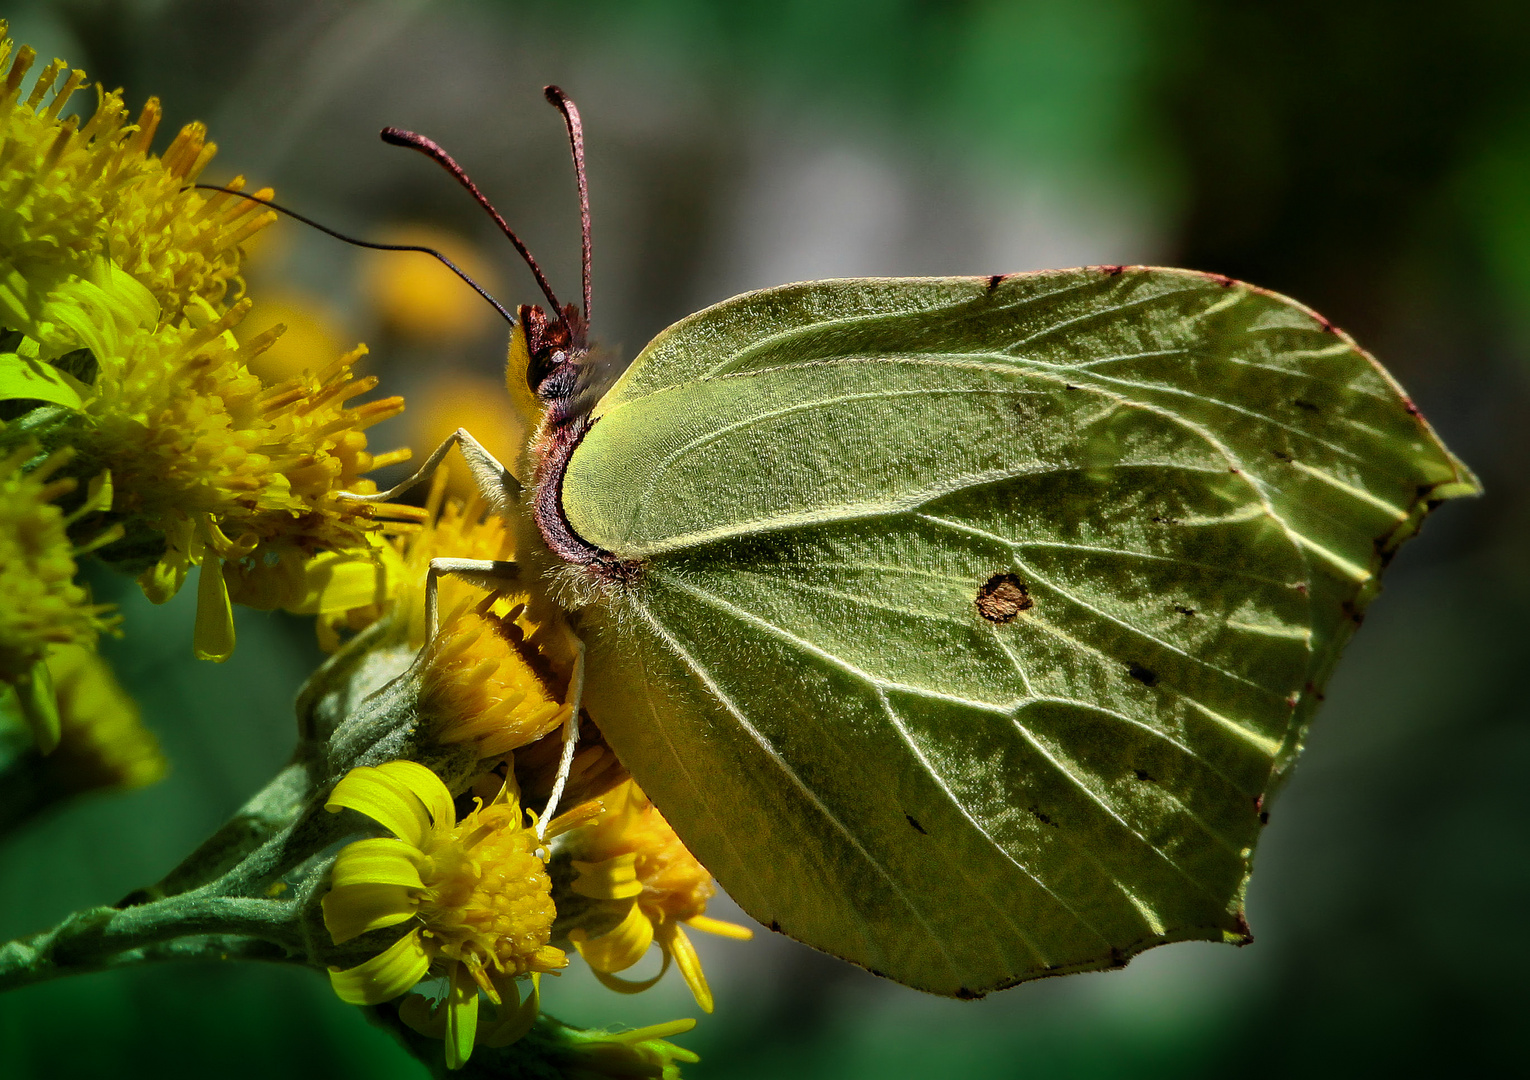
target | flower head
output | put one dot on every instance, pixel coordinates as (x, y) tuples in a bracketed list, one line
[(116, 272), (40, 603), (649, 886), (103, 744), (95, 223), (226, 468), (476, 890), (497, 670), (480, 684)]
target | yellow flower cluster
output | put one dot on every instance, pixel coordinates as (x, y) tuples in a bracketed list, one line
[(650, 887), (495, 674), (108, 248), (79, 198), (40, 604), (226, 468), (482, 905)]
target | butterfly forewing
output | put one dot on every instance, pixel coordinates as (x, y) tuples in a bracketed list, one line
[(976, 618)]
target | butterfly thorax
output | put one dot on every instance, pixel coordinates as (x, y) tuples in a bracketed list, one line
[(560, 372)]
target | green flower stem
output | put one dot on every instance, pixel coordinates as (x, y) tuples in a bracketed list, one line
[(187, 927), (269, 811), (550, 1049), (300, 839)]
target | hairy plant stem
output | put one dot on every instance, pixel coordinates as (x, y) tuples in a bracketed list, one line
[(270, 810), (193, 926)]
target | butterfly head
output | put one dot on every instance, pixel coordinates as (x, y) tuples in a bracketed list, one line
[(555, 348)]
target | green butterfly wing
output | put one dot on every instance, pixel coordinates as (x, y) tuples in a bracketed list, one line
[(977, 619)]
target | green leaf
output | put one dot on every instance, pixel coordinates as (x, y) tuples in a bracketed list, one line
[(28, 377), (977, 619)]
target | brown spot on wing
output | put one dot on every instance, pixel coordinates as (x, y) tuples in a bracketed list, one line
[(1002, 597)]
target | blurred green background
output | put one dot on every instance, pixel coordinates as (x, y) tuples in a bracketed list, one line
[(1370, 158)]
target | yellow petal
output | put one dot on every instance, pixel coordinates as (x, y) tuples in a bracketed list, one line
[(385, 976), (378, 862), (620, 947), (548, 958), (629, 986), (515, 1017), (354, 910), (385, 799), (673, 940), (461, 1017), (213, 637), (609, 879), (341, 580), (164, 579), (427, 787), (583, 814), (720, 928)]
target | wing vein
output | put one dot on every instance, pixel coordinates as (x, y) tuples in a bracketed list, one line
[(774, 756)]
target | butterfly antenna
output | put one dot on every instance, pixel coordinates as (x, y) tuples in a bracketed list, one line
[(565, 105), (399, 137), (453, 267)]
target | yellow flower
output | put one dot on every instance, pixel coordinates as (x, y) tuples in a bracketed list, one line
[(105, 246), (225, 468), (91, 223), (479, 684), (633, 861), (40, 604), (498, 668), (103, 744), (476, 891)]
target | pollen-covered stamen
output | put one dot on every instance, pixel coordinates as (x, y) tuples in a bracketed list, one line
[(487, 899), (479, 683), (475, 892)]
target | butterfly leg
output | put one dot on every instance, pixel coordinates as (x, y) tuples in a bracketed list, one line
[(485, 573), (495, 481), (570, 741)]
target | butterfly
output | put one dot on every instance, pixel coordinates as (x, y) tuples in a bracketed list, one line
[(962, 627)]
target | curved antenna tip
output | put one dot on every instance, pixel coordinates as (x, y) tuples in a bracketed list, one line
[(565, 105), (414, 141)]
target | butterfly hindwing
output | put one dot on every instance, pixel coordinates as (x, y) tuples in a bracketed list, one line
[(975, 619)]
